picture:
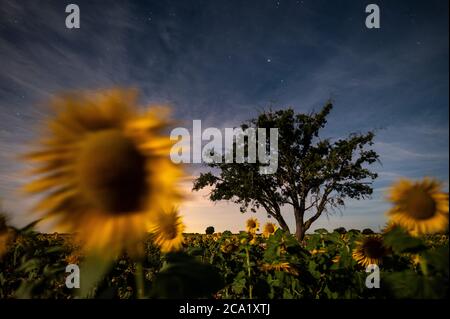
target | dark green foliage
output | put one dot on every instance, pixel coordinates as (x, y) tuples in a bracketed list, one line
[(209, 230), (184, 277), (340, 230), (367, 231)]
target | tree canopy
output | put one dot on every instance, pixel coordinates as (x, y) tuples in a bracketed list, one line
[(314, 175)]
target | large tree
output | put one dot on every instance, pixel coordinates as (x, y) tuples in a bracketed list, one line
[(314, 175)]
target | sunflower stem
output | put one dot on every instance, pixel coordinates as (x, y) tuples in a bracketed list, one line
[(249, 271), (139, 277)]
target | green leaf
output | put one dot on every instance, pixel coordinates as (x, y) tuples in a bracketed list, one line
[(92, 271), (408, 284), (239, 282), (438, 259), (30, 227), (401, 242), (184, 277), (195, 251)]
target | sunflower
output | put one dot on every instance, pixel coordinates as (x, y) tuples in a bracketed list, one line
[(227, 246), (103, 169), (369, 251), (252, 225), (252, 238), (217, 236), (390, 226), (336, 259), (73, 258), (420, 207), (279, 266), (318, 251), (269, 229), (168, 231), (415, 259)]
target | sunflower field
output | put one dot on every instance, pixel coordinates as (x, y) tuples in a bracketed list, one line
[(327, 265)]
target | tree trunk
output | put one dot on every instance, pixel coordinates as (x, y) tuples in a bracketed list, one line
[(299, 231), (299, 227)]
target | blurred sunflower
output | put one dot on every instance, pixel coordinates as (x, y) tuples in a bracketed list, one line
[(269, 229), (420, 207), (369, 251), (72, 259), (168, 231), (104, 169), (252, 225), (389, 227)]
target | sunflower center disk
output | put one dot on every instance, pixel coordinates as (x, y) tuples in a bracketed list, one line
[(111, 172), (374, 249), (420, 204), (170, 231)]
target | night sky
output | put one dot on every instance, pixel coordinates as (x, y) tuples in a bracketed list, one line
[(223, 61)]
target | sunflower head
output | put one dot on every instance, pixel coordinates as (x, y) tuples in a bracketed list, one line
[(269, 229), (420, 207), (279, 266), (252, 225), (252, 238), (390, 226), (318, 251), (103, 169), (168, 231), (370, 250), (228, 246)]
